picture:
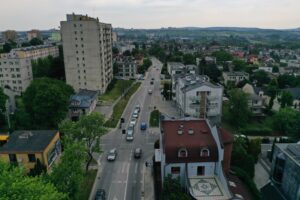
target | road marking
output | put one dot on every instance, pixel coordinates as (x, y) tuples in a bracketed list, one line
[(127, 181), (123, 167), (136, 168)]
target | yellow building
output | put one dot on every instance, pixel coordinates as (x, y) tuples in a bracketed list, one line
[(26, 147)]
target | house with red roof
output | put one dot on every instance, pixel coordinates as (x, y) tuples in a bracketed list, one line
[(198, 154)]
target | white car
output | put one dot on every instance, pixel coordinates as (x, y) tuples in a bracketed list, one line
[(133, 121), (129, 137), (149, 91), (112, 155), (135, 114)]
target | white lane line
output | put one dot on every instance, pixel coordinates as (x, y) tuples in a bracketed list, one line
[(136, 168), (126, 181), (123, 167)]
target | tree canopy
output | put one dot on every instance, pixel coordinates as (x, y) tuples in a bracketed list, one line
[(172, 190), (286, 99), (89, 128), (222, 56), (238, 108), (16, 185), (46, 101), (261, 77)]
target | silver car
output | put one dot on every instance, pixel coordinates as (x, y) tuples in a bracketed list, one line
[(112, 155)]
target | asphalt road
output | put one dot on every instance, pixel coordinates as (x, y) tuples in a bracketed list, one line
[(122, 179)]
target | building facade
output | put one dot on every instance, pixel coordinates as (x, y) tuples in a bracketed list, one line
[(198, 154), (25, 147), (235, 77), (9, 35), (87, 45), (34, 34), (127, 67), (197, 97), (285, 169), (82, 103), (16, 66)]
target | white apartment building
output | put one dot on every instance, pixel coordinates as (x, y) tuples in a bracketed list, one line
[(87, 45), (127, 67), (197, 97), (235, 77), (16, 68)]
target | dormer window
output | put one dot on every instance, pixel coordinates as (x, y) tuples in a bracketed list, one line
[(182, 153), (204, 152), (180, 132), (191, 131)]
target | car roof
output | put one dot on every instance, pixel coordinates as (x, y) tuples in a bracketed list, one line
[(138, 150), (143, 123), (113, 150)]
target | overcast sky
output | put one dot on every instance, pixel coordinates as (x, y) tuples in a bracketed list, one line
[(46, 14)]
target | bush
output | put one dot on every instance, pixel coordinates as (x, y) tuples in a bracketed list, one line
[(248, 182), (154, 118), (256, 130)]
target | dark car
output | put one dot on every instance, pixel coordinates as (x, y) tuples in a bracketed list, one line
[(151, 82), (143, 126), (138, 153), (100, 194)]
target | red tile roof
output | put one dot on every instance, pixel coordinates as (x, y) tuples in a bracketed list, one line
[(201, 138)]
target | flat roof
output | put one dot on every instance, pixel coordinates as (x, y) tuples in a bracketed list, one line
[(28, 141)]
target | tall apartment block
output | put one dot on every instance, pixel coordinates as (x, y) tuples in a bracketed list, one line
[(87, 46)]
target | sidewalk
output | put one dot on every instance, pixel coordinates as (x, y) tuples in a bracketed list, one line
[(147, 189)]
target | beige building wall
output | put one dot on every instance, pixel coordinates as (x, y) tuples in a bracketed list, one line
[(87, 45)]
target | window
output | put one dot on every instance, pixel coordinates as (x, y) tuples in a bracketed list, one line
[(191, 131), (81, 39), (75, 32), (31, 157), (175, 170), (180, 132), (200, 170), (12, 158), (204, 152), (75, 25), (182, 153)]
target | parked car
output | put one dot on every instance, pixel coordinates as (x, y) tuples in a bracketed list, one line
[(149, 91), (152, 79), (100, 195), (112, 155), (151, 82), (138, 153), (133, 121), (143, 126)]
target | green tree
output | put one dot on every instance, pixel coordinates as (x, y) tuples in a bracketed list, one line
[(68, 174), (172, 190), (238, 108), (38, 169), (286, 99), (89, 128), (36, 41), (240, 158), (46, 101), (286, 121), (261, 77), (239, 65), (222, 56), (16, 185), (115, 50), (272, 90), (254, 148), (189, 59), (3, 99)]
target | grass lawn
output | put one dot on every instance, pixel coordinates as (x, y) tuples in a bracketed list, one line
[(120, 106), (86, 185), (154, 118), (116, 90)]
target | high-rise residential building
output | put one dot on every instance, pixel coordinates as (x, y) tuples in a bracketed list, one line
[(9, 35), (87, 46), (34, 34)]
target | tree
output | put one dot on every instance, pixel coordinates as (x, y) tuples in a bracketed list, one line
[(3, 99), (286, 121), (239, 65), (172, 190), (222, 56), (46, 101), (189, 59), (240, 158), (115, 51), (272, 90), (68, 174), (16, 185), (38, 169), (36, 41), (127, 53), (254, 148), (89, 128), (238, 108), (261, 77), (210, 70), (286, 99)]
